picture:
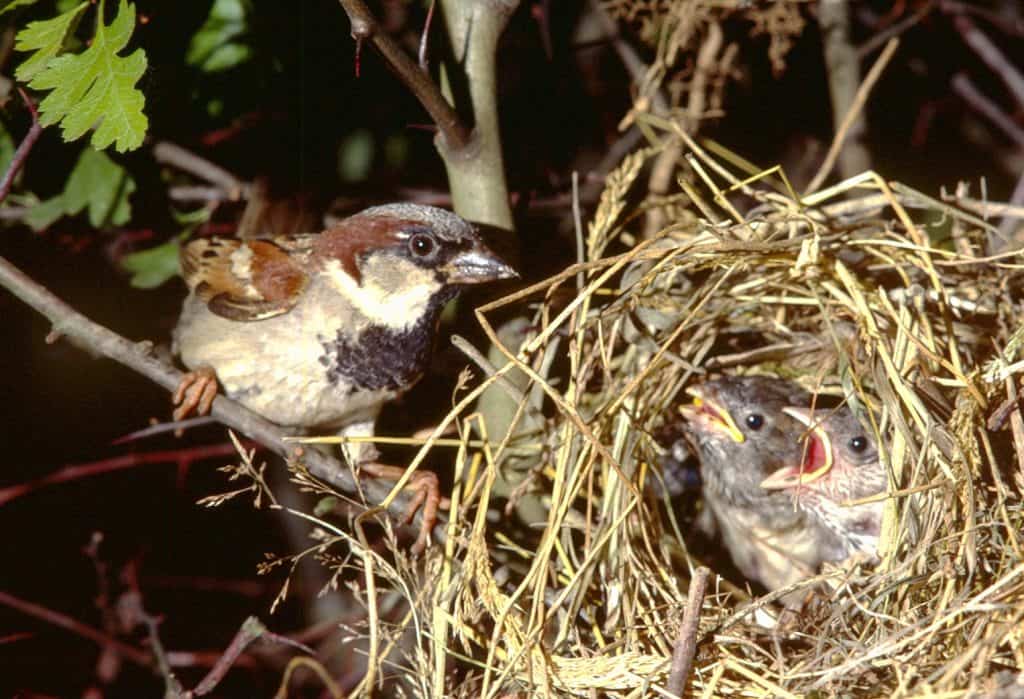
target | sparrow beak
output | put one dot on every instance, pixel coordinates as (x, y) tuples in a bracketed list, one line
[(476, 266), (817, 457), (703, 411)]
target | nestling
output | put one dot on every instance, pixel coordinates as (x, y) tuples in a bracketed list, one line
[(840, 463), (316, 332), (742, 435)]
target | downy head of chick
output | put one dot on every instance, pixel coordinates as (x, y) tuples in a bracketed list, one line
[(742, 435), (839, 463)]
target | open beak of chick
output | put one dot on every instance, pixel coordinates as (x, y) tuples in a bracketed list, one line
[(708, 414), (817, 455)]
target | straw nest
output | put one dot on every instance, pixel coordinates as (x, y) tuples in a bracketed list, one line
[(869, 291)]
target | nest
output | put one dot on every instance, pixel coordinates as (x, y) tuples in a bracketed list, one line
[(867, 290)]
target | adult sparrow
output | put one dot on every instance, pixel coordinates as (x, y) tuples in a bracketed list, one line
[(319, 331), (838, 464), (742, 435)]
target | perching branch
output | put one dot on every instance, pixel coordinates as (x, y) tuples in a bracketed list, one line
[(99, 340), (454, 135)]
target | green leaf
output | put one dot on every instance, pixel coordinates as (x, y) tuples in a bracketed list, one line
[(46, 38), (100, 184), (96, 183), (6, 148), (325, 505), (97, 87), (6, 5), (151, 268), (213, 47), (45, 213)]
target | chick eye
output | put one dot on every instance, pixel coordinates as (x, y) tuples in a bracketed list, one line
[(755, 421), (422, 245), (858, 444)]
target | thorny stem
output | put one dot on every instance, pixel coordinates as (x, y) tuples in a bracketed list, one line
[(453, 132)]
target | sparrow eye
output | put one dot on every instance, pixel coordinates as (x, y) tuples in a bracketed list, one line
[(755, 421), (858, 444), (422, 245)]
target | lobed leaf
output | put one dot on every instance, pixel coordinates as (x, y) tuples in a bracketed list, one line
[(96, 88), (97, 184), (46, 38)]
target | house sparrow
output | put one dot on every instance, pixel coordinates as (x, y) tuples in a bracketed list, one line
[(839, 463), (742, 435), (319, 331)]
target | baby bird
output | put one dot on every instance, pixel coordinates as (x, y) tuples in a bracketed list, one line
[(839, 463), (742, 435), (316, 332)]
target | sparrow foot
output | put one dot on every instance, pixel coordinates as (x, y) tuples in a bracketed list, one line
[(427, 494), (195, 393)]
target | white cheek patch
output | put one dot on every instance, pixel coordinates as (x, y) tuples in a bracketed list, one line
[(394, 293)]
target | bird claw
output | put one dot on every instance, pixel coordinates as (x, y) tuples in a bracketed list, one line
[(195, 393), (427, 494)]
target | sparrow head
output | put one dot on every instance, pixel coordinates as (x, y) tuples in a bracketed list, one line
[(398, 262), (741, 432), (839, 459), (434, 246)]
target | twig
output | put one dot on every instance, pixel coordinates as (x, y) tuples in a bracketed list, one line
[(963, 86), (137, 356), (993, 57), (172, 686), (425, 38), (201, 193), (858, 104), (21, 155), (365, 28), (78, 471), (65, 622), (176, 156), (872, 44), (686, 643), (252, 629)]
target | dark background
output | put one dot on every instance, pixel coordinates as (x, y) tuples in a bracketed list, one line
[(287, 111)]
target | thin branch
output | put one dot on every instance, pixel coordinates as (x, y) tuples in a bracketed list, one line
[(365, 28), (252, 629), (63, 621), (138, 356), (174, 155), (686, 644), (96, 468), (970, 94), (21, 155), (995, 59), (425, 39)]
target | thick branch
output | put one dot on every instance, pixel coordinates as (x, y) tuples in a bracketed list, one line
[(365, 28), (477, 174), (138, 356)]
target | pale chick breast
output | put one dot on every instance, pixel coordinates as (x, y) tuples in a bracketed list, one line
[(278, 367)]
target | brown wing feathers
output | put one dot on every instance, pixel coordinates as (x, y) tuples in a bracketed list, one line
[(242, 280)]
